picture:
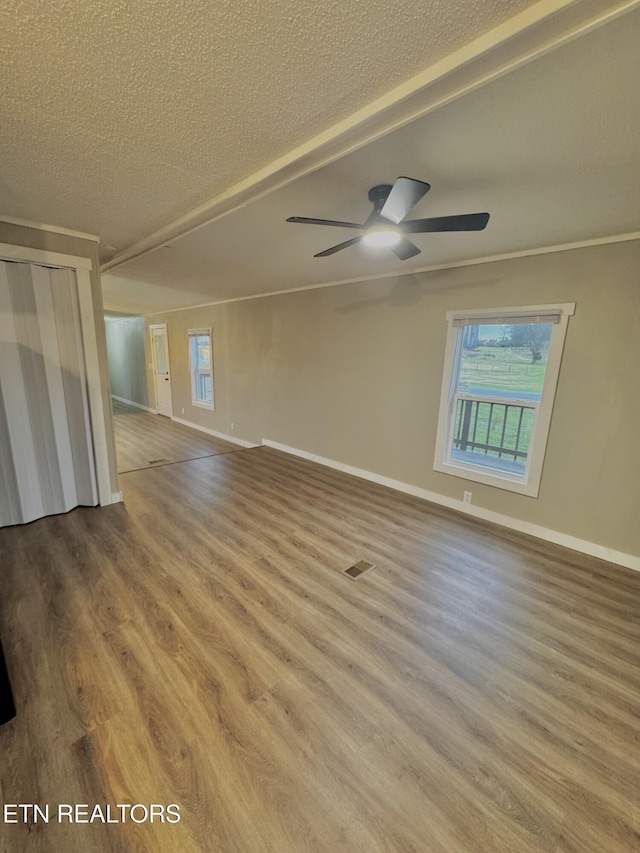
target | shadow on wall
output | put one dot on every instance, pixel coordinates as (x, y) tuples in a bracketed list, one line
[(409, 290)]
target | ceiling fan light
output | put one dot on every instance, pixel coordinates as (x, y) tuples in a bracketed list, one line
[(382, 237)]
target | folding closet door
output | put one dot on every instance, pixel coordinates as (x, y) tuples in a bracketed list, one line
[(47, 463)]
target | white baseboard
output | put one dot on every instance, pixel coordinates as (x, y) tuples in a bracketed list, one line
[(113, 498), (629, 561), (215, 433), (131, 403)]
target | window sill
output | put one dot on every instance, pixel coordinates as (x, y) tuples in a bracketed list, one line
[(209, 406), (495, 479)]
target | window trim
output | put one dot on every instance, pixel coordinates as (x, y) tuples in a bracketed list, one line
[(529, 484), (192, 333)]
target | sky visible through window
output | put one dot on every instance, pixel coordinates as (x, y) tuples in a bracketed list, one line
[(201, 366), (203, 358)]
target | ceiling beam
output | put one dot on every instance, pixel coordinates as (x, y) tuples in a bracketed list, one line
[(543, 27)]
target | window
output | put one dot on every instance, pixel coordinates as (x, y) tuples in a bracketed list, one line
[(201, 367), (501, 370)]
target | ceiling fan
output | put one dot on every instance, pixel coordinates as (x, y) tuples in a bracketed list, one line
[(386, 225)]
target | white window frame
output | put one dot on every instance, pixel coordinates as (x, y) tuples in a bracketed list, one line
[(192, 333), (529, 483)]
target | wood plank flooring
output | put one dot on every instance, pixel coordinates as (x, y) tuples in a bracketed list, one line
[(144, 440), (477, 692)]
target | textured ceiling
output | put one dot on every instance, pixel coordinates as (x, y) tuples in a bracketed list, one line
[(551, 150), (119, 116)]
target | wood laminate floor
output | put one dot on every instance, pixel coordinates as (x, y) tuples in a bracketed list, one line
[(144, 440), (476, 693)]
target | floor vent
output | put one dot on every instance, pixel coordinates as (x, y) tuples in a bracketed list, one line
[(156, 461), (358, 569)]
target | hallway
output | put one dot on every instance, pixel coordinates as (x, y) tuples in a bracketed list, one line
[(145, 440)]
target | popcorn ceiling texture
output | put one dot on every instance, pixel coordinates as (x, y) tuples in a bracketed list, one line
[(550, 150), (119, 116)]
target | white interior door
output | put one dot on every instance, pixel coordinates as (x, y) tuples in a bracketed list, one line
[(161, 372)]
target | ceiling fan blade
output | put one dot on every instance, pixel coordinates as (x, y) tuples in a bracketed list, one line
[(405, 249), (339, 247), (464, 222), (303, 220), (405, 193)]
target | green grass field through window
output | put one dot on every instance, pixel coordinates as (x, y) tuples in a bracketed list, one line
[(497, 422), (502, 368)]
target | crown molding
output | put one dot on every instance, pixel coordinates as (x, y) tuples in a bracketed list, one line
[(54, 229), (471, 262)]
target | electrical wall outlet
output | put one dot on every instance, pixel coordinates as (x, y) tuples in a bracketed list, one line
[(233, 426), (183, 411), (466, 498)]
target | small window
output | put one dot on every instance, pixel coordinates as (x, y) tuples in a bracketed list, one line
[(201, 367), (501, 371)]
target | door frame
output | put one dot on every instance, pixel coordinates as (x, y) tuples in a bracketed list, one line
[(153, 326), (101, 435)]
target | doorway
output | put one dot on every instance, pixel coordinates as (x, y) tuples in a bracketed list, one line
[(161, 369)]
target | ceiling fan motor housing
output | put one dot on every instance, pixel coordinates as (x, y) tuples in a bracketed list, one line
[(377, 196)]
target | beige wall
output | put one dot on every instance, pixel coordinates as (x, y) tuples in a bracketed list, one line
[(353, 373), (127, 359), (34, 238)]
